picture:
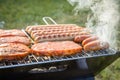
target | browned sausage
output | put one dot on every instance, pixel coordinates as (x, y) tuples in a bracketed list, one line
[(96, 45), (80, 38), (87, 40), (29, 29)]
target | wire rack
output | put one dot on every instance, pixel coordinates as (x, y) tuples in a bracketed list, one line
[(32, 59)]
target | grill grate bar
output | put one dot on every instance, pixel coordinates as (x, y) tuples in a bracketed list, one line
[(35, 58), (4, 63), (11, 63), (29, 57)]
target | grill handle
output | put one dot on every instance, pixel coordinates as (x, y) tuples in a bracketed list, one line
[(50, 19)]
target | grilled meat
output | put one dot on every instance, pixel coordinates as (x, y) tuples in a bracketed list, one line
[(12, 32), (15, 39), (58, 48), (13, 51)]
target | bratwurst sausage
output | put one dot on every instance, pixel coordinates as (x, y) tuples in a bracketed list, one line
[(96, 45), (87, 40), (80, 38)]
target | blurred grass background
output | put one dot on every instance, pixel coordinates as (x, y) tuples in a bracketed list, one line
[(21, 13)]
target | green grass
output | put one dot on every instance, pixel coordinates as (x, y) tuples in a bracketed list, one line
[(21, 13)]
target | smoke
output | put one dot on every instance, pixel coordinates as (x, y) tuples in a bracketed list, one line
[(2, 23), (103, 18)]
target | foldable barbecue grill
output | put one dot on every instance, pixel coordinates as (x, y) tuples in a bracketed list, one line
[(84, 65)]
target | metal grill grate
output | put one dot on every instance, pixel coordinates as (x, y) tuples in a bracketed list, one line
[(32, 59)]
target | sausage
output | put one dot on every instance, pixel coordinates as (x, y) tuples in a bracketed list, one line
[(87, 40), (56, 37), (42, 33), (80, 38), (29, 29), (96, 45)]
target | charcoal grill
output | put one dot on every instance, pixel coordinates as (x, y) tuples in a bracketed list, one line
[(83, 65)]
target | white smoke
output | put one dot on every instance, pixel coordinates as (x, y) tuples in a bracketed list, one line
[(103, 19), (2, 23)]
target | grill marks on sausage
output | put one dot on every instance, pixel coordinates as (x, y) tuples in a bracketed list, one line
[(96, 45), (63, 32), (91, 42), (81, 38), (48, 27)]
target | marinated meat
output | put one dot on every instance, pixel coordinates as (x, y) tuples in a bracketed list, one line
[(58, 48), (15, 39), (12, 32), (13, 51)]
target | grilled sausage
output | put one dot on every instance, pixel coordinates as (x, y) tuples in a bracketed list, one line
[(58, 48), (96, 45), (89, 39), (29, 29), (55, 37), (42, 33), (80, 38)]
